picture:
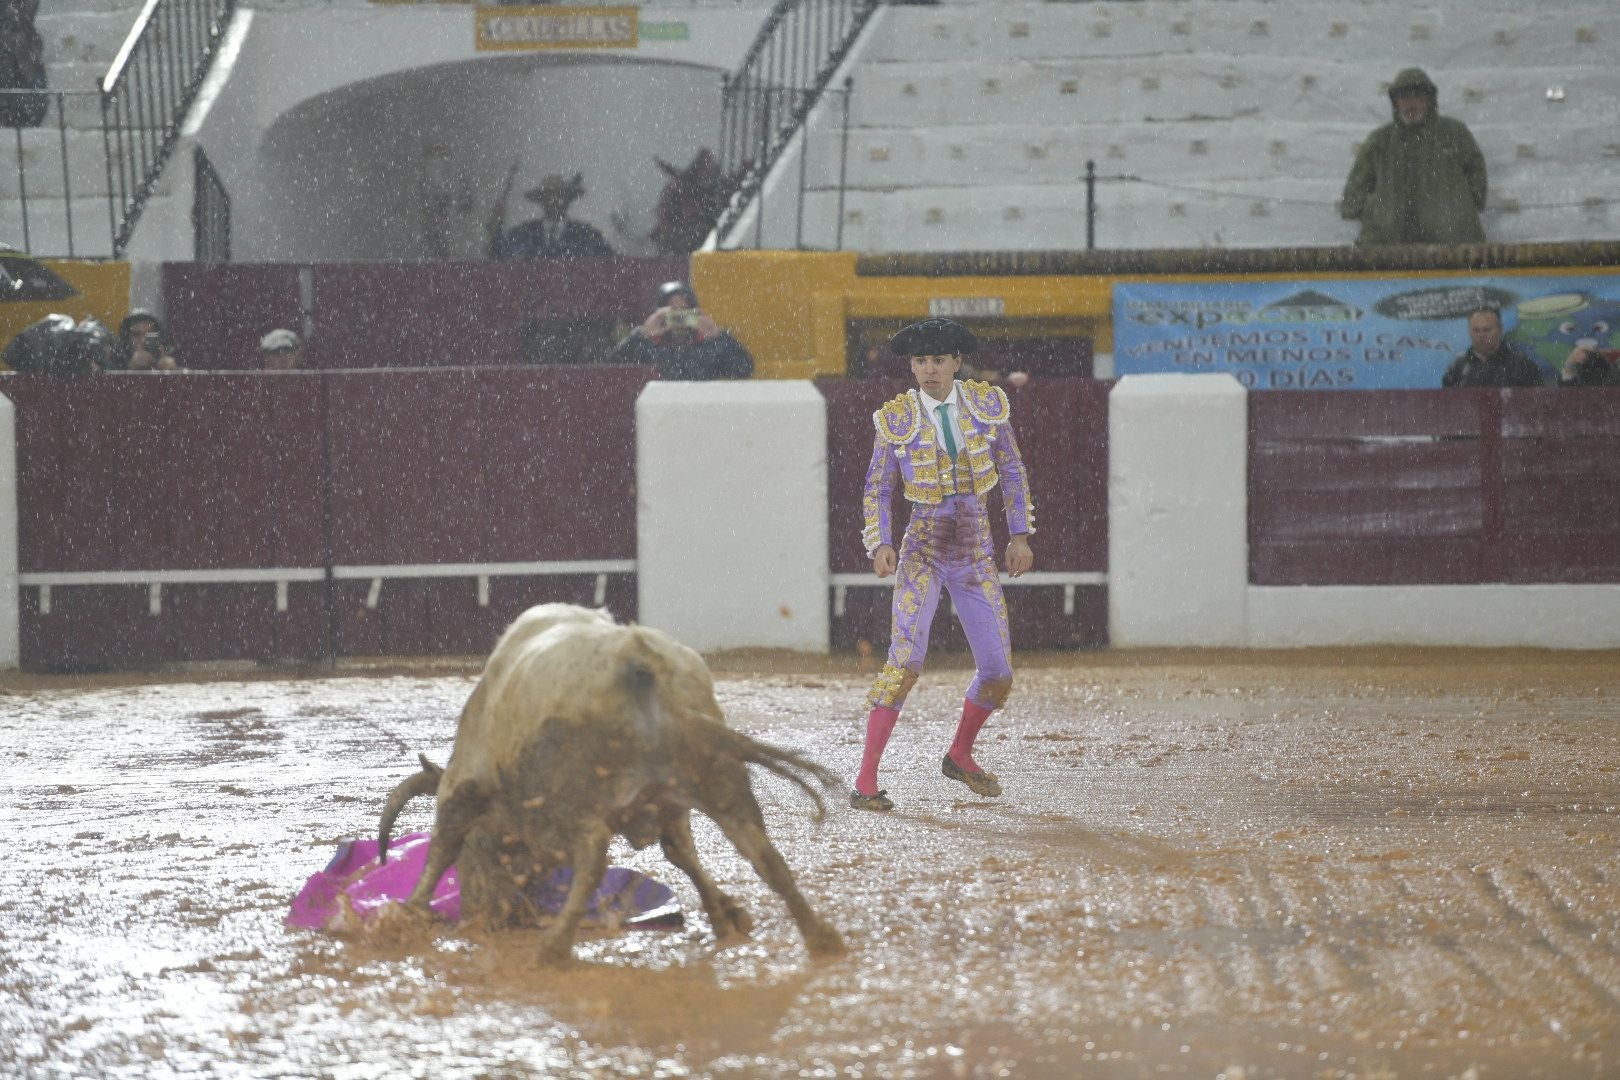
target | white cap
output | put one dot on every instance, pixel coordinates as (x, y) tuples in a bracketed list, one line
[(279, 339)]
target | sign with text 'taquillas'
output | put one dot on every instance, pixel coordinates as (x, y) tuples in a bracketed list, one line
[(537, 27)]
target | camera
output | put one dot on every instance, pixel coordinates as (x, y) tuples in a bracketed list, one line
[(682, 318), (153, 342)]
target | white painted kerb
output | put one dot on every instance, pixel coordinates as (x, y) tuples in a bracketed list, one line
[(731, 513)]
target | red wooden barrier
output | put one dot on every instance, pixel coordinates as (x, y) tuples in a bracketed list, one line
[(1561, 485), (1063, 433), (478, 466), (371, 315), (1433, 487), (215, 313), (183, 472), (214, 473)]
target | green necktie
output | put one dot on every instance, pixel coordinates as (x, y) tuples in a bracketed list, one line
[(945, 429)]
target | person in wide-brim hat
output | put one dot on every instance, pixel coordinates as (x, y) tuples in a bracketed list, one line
[(947, 443), (557, 190), (554, 234)]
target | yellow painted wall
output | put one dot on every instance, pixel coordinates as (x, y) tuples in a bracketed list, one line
[(792, 308), (103, 291)]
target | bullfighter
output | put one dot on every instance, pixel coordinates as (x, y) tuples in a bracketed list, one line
[(948, 442)]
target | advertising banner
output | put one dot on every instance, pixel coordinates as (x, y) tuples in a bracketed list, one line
[(1389, 333)]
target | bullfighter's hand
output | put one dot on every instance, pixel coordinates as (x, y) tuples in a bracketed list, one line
[(707, 327), (1020, 559), (883, 561)]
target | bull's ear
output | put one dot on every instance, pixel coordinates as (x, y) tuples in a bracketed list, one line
[(429, 767)]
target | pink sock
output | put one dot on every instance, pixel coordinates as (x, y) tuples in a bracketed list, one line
[(879, 725), (967, 730)]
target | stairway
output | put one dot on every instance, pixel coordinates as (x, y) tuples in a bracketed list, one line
[(81, 38)]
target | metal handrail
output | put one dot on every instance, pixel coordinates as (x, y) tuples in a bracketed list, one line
[(145, 95), (780, 79), (60, 99), (210, 212)]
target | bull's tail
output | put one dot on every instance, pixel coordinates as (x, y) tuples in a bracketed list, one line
[(790, 765), (423, 782)]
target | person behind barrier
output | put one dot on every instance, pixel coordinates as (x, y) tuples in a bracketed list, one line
[(1490, 361), (553, 235), (1419, 179), (281, 350), (142, 344), (1589, 365), (682, 341), (948, 442)]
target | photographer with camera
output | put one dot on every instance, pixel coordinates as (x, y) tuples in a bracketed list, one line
[(142, 345), (1589, 365), (682, 341)]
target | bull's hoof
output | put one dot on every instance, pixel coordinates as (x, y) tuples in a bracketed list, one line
[(982, 783), (730, 920), (825, 943), (555, 951), (880, 802)]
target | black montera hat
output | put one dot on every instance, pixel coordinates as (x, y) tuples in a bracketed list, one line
[(933, 337)]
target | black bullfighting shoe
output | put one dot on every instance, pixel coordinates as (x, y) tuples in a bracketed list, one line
[(982, 783), (880, 801)]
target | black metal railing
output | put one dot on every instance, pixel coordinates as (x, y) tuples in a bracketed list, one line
[(43, 156), (144, 97), (210, 212), (782, 76)]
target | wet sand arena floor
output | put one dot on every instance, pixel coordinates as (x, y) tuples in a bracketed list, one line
[(1369, 864)]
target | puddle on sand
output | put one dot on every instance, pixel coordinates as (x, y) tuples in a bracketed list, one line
[(1263, 865)]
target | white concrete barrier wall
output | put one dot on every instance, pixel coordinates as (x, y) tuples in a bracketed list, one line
[(1178, 530), (10, 613), (1480, 616), (731, 513)]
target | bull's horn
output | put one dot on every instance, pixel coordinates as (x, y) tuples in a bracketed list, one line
[(423, 782)]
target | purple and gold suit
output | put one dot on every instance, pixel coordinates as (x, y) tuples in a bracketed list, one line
[(947, 542)]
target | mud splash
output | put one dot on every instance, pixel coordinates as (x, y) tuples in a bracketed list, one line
[(1252, 865)]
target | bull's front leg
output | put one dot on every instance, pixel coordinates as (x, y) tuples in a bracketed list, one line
[(589, 857), (746, 831), (451, 821), (726, 916)]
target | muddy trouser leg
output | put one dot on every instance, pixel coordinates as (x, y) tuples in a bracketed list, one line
[(982, 608), (916, 598)]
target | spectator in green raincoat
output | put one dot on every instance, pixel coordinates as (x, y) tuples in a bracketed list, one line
[(1419, 179)]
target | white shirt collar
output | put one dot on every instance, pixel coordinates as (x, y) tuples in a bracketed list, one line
[(931, 403)]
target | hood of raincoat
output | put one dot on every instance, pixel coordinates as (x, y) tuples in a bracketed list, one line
[(1414, 79)]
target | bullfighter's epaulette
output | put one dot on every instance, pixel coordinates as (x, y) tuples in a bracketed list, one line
[(897, 420), (986, 403)]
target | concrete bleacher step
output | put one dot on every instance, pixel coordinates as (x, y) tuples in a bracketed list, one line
[(1270, 89), (42, 164), (1024, 153), (1367, 33), (888, 158), (1230, 123), (1184, 213), (84, 37)]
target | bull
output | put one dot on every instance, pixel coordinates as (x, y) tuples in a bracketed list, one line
[(580, 729)]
